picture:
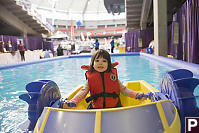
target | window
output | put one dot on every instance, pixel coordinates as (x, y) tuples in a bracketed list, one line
[(109, 26), (101, 26), (61, 26), (120, 25)]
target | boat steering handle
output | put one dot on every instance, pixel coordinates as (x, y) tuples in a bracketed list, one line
[(149, 95), (140, 96)]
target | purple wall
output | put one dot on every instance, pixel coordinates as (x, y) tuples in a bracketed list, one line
[(132, 37), (184, 50), (31, 43)]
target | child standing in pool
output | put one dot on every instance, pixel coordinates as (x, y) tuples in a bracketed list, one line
[(103, 84)]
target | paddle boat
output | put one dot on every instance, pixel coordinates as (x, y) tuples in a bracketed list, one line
[(156, 114)]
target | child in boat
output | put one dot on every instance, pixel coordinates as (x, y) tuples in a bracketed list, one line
[(103, 84)]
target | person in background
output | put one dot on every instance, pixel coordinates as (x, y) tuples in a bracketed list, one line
[(103, 84), (150, 48), (47, 53), (60, 50), (96, 44), (9, 46), (6, 47), (22, 49), (151, 44), (1, 46), (112, 44), (72, 48)]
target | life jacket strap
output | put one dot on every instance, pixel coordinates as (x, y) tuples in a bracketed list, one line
[(103, 94)]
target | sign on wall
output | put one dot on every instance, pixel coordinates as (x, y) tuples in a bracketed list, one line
[(176, 33), (140, 42)]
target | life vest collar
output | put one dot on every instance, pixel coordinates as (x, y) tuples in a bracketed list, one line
[(86, 67)]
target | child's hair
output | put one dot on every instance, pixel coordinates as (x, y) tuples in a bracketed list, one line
[(101, 53)]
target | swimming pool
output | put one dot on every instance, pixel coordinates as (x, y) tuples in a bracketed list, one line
[(67, 74)]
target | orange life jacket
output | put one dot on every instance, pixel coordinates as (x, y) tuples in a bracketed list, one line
[(104, 88)]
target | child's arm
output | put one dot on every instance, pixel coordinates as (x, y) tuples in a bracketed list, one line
[(79, 96), (127, 92), (130, 93)]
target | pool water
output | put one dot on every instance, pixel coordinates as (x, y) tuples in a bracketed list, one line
[(68, 75)]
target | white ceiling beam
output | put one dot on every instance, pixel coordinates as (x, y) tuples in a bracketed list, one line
[(145, 12), (85, 8)]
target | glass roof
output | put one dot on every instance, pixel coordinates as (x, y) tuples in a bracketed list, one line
[(88, 9)]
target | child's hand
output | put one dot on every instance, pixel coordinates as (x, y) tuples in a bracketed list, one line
[(68, 104), (141, 96)]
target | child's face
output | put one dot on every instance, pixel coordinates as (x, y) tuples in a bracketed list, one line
[(100, 64)]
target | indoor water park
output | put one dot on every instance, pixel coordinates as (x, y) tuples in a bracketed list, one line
[(99, 66)]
